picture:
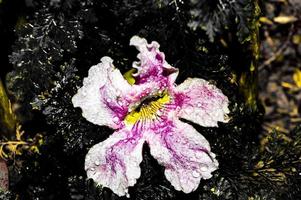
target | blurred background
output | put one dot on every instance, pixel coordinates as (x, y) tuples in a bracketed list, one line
[(279, 68)]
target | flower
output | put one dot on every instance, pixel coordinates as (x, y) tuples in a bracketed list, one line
[(147, 107)]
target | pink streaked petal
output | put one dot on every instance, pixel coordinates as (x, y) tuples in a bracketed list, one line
[(101, 97), (183, 152), (152, 65), (201, 102), (114, 163)]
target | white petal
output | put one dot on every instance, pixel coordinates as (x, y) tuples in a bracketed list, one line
[(114, 163), (99, 95), (201, 102), (183, 152)]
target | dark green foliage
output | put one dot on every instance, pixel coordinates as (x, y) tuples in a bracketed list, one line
[(279, 164), (61, 40), (42, 46), (219, 16)]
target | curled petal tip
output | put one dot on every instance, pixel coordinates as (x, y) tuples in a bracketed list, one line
[(106, 59), (137, 41)]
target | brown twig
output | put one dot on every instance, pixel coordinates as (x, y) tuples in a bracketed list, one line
[(279, 51)]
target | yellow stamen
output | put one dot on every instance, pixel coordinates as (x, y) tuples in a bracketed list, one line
[(148, 111)]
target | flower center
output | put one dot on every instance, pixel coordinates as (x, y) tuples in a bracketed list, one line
[(147, 109)]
